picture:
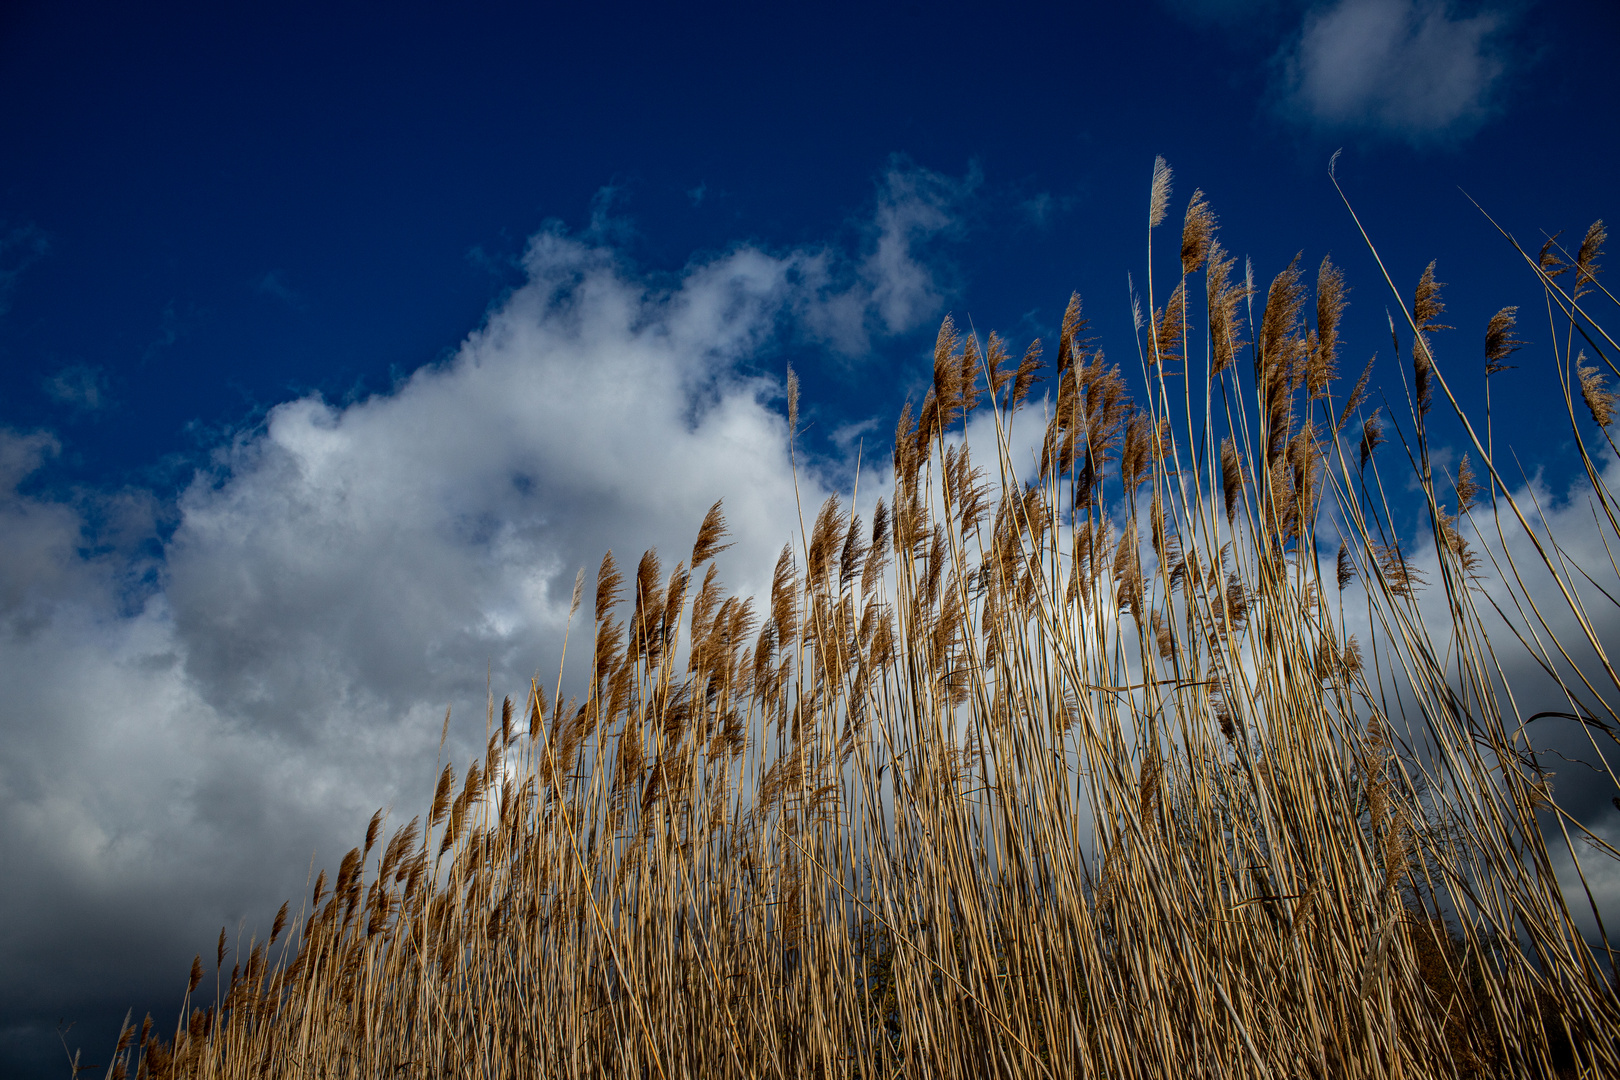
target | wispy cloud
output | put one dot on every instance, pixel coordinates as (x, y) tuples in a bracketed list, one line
[(892, 286), (274, 285), (20, 247), (1043, 208), (1422, 71), (1415, 69), (80, 387), (172, 326)]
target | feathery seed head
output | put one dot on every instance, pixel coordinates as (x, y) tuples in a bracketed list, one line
[(1357, 398), (1197, 232), (1169, 328), (904, 438), (947, 365), (1401, 576), (1499, 340), (1548, 260), (967, 382), (1586, 260), (1073, 330), (646, 617), (854, 550), (1352, 657), (1426, 310), (825, 538), (1231, 477), (1427, 306), (1134, 461), (1330, 305), (376, 824), (608, 584), (999, 364), (674, 600), (1280, 345), (1595, 390), (1159, 194), (1222, 297), (710, 533), (1467, 485), (579, 591), (441, 804), (1372, 437), (1027, 375), (348, 877), (785, 598), (1163, 637)]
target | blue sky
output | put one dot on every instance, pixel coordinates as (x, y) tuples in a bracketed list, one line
[(210, 211), (332, 342)]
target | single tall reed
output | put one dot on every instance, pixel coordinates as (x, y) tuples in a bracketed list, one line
[(1083, 776)]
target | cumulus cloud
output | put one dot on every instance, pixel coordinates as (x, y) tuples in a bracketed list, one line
[(1412, 68), (188, 716)]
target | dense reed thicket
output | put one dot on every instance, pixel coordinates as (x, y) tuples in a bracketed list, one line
[(1053, 768)]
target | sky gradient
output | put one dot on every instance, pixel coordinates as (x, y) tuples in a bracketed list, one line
[(333, 343)]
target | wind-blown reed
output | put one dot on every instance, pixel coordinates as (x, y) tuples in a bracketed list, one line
[(1058, 768)]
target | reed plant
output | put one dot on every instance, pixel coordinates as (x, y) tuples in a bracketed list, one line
[(1067, 767)]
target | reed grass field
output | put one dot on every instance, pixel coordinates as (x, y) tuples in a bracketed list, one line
[(1066, 767)]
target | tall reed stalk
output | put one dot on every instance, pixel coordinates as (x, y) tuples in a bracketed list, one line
[(1060, 768)]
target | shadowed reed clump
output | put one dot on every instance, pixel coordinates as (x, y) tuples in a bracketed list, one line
[(1071, 767)]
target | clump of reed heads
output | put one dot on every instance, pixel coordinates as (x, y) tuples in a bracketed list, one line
[(1008, 781)]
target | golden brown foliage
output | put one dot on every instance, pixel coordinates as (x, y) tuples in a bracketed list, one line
[(968, 819)]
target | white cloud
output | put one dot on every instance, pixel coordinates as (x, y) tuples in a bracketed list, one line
[(339, 575), (889, 289), (1412, 68)]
